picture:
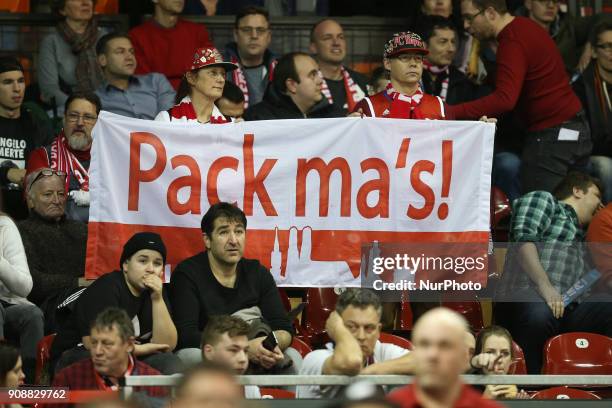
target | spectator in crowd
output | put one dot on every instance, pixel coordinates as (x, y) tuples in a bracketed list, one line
[(250, 53), (440, 77), (11, 368), (20, 133), (342, 87), (208, 385), (354, 327), (70, 152), (570, 33), (111, 347), (137, 288), (547, 258), (231, 103), (55, 246), (403, 97), (440, 355), (219, 281), (592, 89), (123, 93), (599, 236), (529, 70), (378, 81), (494, 355), (225, 341), (201, 86), (67, 57), (19, 319), (165, 44), (295, 92)]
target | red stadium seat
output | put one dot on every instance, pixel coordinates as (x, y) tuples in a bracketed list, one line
[(397, 340), (500, 212), (518, 364), (578, 353), (320, 302), (15, 6), (43, 354), (472, 311), (107, 7), (300, 346), (564, 393), (276, 393), (404, 317)]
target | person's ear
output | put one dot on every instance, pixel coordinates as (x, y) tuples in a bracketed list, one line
[(387, 64), (312, 48), (578, 192), (528, 5), (124, 265), (102, 60), (291, 85), (131, 342), (190, 76), (207, 352), (206, 239)]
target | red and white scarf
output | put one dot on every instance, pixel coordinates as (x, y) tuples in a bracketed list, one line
[(437, 71), (404, 106), (240, 80), (353, 92), (64, 158), (185, 111)]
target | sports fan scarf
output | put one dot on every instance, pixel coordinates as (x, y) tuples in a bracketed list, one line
[(185, 110), (403, 106), (353, 93), (240, 80), (69, 161), (440, 72)]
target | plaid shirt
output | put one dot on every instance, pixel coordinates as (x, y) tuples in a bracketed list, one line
[(553, 227), (81, 376)]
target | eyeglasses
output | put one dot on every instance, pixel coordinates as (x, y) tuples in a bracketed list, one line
[(74, 117), (249, 30), (47, 173), (605, 46), (470, 17)]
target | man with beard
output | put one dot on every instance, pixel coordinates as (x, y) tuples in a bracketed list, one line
[(70, 152), (342, 87)]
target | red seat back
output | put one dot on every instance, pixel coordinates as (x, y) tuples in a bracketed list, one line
[(276, 393), (43, 354), (300, 346), (320, 302), (107, 7), (472, 311), (397, 340), (564, 393), (578, 353), (15, 6), (518, 364)]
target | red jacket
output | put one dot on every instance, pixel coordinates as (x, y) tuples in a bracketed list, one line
[(379, 106), (405, 397)]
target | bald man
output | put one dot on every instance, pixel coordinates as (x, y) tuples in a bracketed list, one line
[(342, 87), (440, 357)]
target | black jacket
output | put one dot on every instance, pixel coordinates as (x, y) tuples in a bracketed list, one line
[(276, 105), (598, 115), (460, 88)]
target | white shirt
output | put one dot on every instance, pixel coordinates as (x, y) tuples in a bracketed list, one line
[(15, 278), (252, 392), (313, 365)]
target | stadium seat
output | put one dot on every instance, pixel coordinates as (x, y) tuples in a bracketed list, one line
[(276, 393), (107, 7), (518, 364), (300, 346), (397, 340), (564, 393), (500, 215), (320, 302), (43, 354), (578, 353), (15, 6), (404, 317), (472, 311)]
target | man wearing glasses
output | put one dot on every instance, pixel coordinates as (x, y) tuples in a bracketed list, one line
[(55, 246), (70, 152), (532, 81), (594, 88), (250, 52)]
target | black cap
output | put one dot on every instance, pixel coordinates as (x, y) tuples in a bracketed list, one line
[(140, 241), (9, 64)]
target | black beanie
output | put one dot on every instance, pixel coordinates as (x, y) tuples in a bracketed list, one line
[(9, 64), (140, 241)]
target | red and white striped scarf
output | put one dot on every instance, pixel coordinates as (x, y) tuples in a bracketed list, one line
[(353, 92), (404, 106), (65, 159), (185, 111), (437, 71), (240, 80)]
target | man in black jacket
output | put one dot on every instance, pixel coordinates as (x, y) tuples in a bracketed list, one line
[(294, 93), (594, 88), (219, 281)]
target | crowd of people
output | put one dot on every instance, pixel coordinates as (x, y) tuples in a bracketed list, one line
[(542, 75)]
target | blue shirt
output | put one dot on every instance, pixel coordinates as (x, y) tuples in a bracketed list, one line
[(146, 96)]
